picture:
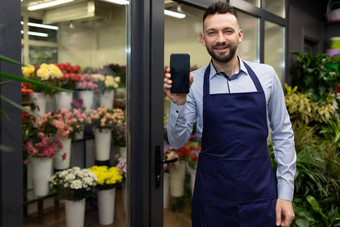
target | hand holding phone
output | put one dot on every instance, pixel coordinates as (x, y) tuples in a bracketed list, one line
[(180, 70)]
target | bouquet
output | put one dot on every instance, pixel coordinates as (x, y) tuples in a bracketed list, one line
[(107, 178), (119, 132), (87, 82), (106, 118), (73, 184), (46, 73), (106, 83), (42, 146), (70, 76)]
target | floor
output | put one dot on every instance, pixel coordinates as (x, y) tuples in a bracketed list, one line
[(56, 218)]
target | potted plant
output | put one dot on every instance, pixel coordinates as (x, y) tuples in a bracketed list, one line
[(86, 86), (103, 121), (63, 124), (45, 73), (40, 151), (106, 86), (107, 181), (74, 186)]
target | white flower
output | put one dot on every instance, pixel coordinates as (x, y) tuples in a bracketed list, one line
[(77, 184), (70, 177), (66, 185)]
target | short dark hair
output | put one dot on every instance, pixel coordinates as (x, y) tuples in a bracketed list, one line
[(219, 8)]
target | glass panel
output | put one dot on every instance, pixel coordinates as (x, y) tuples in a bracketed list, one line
[(254, 2), (277, 7), (41, 54), (274, 45), (86, 53), (248, 49), (181, 36)]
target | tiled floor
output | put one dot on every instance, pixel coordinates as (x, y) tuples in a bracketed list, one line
[(52, 218)]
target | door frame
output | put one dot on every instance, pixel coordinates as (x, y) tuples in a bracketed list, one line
[(11, 185)]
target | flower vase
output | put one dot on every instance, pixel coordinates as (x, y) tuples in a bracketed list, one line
[(62, 158), (106, 206), (106, 99), (87, 97), (63, 100), (39, 100), (102, 144), (79, 135), (122, 151), (177, 175), (166, 190), (192, 173), (75, 213), (41, 174)]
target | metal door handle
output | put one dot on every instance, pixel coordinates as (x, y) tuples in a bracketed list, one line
[(159, 164)]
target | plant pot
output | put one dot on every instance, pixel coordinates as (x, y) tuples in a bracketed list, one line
[(106, 99), (39, 99), (63, 100), (87, 97), (103, 144), (75, 213), (41, 174), (106, 206), (166, 190), (177, 175), (59, 163), (79, 135), (192, 173)]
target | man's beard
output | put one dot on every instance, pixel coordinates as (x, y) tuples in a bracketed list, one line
[(225, 58)]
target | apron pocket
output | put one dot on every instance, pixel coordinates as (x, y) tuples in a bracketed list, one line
[(256, 180), (219, 214)]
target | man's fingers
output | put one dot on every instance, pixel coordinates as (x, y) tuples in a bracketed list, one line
[(278, 216)]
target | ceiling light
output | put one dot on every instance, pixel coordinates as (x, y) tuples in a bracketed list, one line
[(48, 4), (174, 14), (120, 2), (40, 34), (52, 27)]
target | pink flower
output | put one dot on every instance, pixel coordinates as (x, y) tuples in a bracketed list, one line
[(64, 156)]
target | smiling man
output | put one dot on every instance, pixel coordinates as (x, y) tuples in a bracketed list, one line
[(234, 103)]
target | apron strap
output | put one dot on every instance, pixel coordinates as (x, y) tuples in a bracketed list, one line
[(206, 84), (254, 78)]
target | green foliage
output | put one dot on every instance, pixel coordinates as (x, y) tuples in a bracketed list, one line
[(303, 109), (314, 74)]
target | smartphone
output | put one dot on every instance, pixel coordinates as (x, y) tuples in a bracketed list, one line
[(180, 71)]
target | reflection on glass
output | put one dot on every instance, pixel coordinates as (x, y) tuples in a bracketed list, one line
[(276, 6), (274, 41), (248, 49), (254, 2), (84, 51)]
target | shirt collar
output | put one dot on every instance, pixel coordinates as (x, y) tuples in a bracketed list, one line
[(242, 70)]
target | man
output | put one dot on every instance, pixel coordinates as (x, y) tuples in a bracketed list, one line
[(232, 102)]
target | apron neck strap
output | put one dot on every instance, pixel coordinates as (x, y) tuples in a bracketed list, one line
[(206, 84)]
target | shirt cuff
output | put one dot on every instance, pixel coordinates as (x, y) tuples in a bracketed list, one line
[(285, 192), (176, 111)]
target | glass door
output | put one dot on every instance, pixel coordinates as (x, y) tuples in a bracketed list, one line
[(80, 46)]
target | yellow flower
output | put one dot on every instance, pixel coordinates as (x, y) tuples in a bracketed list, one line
[(43, 73), (55, 72), (98, 76), (27, 70)]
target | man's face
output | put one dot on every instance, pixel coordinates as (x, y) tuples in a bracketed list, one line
[(221, 36)]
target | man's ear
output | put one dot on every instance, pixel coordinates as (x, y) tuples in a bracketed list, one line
[(202, 39), (240, 36)]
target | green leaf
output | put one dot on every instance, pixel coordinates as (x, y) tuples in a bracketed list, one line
[(3, 113), (3, 58), (37, 83), (315, 205), (5, 82), (18, 106), (5, 148)]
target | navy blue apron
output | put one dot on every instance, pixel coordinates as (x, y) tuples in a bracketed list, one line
[(235, 183)]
